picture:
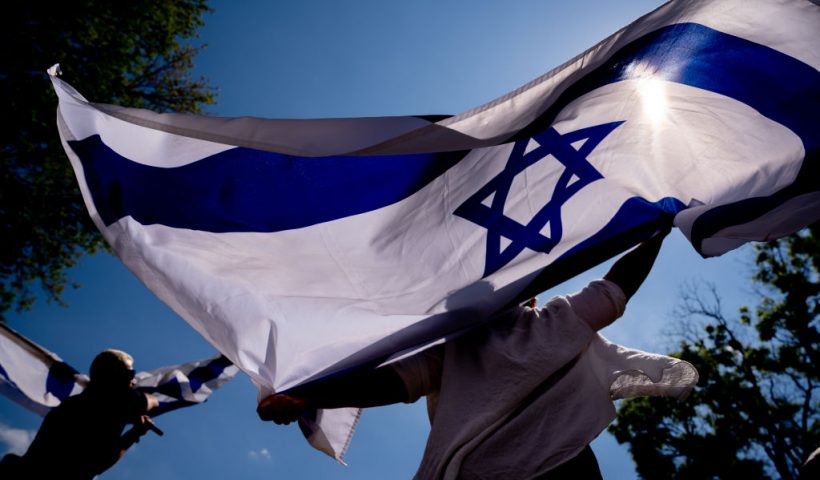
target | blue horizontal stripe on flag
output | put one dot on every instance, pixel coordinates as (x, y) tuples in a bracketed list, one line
[(60, 380), (633, 213), (777, 85), (744, 211), (246, 190), (208, 372)]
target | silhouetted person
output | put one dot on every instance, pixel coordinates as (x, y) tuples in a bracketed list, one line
[(83, 436), (521, 396)]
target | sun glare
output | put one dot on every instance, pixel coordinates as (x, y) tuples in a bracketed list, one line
[(653, 99)]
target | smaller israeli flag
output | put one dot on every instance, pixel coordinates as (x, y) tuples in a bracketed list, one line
[(39, 380)]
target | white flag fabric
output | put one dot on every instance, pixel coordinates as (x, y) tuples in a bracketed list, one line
[(34, 377), (39, 380), (302, 248)]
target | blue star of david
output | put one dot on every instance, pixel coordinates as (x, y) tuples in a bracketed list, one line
[(529, 236)]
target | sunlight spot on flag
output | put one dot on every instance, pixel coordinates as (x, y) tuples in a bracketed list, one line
[(640, 69), (653, 99)]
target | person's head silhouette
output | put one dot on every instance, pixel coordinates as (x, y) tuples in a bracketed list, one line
[(112, 370)]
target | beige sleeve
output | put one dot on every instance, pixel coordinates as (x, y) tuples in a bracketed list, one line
[(599, 303), (421, 373)]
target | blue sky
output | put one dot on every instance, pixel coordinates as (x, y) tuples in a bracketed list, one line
[(344, 59)]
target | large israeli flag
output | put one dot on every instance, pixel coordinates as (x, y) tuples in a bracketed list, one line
[(39, 380), (301, 248)]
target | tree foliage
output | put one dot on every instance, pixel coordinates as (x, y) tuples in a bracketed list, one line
[(754, 413), (131, 53)]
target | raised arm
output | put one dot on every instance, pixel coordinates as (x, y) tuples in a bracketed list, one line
[(371, 388), (631, 270), (141, 426)]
